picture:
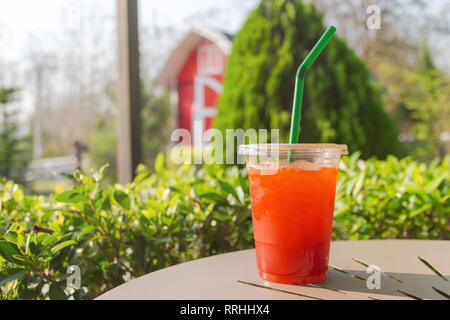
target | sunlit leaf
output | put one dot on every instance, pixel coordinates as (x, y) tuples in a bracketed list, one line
[(122, 199), (432, 268), (63, 245), (9, 251), (70, 197)]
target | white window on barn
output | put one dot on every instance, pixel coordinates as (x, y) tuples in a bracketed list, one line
[(210, 60)]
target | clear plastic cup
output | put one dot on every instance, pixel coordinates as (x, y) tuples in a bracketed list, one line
[(292, 188)]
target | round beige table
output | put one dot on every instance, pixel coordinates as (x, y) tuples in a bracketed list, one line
[(234, 276)]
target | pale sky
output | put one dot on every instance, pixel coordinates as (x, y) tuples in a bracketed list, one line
[(32, 26), (22, 20)]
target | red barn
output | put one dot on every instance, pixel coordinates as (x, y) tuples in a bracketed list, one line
[(194, 74)]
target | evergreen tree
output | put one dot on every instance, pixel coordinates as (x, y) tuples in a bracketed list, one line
[(15, 151), (426, 63), (342, 102), (426, 96)]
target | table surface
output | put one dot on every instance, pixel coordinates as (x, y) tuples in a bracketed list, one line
[(217, 277)]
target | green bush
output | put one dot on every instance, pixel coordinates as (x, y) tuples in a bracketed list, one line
[(342, 102), (393, 199), (115, 233), (168, 216)]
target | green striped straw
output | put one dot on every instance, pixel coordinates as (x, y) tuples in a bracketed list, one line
[(300, 82)]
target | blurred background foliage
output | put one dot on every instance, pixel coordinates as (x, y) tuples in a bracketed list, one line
[(157, 125), (170, 215), (15, 146), (421, 97), (342, 102)]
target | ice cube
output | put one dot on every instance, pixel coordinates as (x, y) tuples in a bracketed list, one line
[(306, 165)]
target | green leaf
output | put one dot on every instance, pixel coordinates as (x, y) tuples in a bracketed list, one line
[(159, 162), (365, 264), (63, 245), (122, 199), (85, 231), (9, 275), (155, 205), (98, 176), (34, 248), (213, 196), (275, 289), (68, 176), (47, 240), (418, 211), (31, 289), (432, 268), (70, 197), (106, 205), (409, 295), (162, 240), (56, 292), (430, 186), (442, 293), (141, 252), (140, 177), (229, 188), (359, 183), (12, 236), (9, 250)]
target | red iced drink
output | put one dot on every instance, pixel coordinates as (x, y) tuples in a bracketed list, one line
[(292, 199)]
